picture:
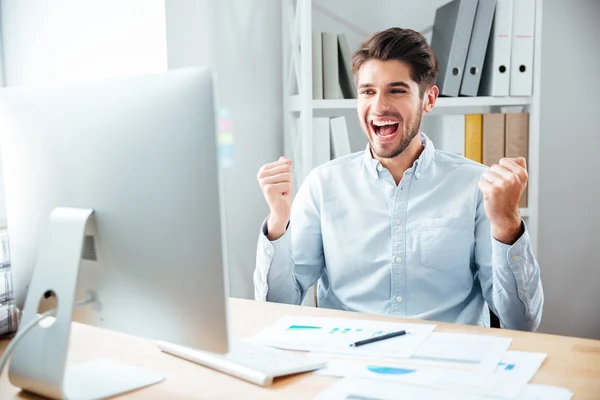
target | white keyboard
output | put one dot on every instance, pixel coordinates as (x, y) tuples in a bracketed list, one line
[(252, 362)]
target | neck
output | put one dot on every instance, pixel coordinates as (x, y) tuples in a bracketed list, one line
[(403, 161)]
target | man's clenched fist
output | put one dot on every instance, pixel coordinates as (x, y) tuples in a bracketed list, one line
[(275, 180)]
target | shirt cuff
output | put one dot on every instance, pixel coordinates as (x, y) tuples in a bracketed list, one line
[(267, 250), (510, 254), (519, 259)]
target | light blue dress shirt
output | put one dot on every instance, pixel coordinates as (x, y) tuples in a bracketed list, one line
[(421, 249)]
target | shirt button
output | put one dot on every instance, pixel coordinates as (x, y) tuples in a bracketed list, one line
[(268, 251), (379, 168), (515, 257), (418, 175), (398, 299), (521, 292), (398, 222), (398, 259)]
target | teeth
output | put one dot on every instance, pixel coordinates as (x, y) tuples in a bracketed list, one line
[(384, 123)]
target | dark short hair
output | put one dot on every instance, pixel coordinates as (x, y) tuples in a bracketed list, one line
[(405, 45)]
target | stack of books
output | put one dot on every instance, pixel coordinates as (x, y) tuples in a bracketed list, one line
[(485, 138)]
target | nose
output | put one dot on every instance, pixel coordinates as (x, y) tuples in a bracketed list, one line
[(381, 104)]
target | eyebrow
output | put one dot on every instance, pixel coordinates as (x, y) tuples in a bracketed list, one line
[(391, 84)]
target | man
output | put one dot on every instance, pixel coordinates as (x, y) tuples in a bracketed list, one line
[(401, 229)]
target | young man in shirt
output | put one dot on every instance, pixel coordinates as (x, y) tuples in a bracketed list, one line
[(401, 229)]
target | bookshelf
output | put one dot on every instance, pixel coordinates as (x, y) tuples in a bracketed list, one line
[(300, 107), (443, 105)]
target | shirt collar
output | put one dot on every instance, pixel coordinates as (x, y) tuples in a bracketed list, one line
[(420, 165)]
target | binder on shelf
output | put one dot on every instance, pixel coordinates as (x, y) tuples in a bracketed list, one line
[(477, 47), (331, 75), (345, 68), (446, 132), (321, 141), (517, 141), (493, 138), (452, 30), (317, 66), (296, 144), (340, 142), (495, 78), (474, 137), (523, 31)]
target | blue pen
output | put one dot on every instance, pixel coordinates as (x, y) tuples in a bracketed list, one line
[(378, 338)]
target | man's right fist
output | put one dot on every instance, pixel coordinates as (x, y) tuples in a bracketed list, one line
[(275, 180)]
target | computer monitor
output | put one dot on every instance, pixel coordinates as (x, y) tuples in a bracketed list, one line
[(141, 152)]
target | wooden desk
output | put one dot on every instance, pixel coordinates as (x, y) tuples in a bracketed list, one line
[(572, 363)]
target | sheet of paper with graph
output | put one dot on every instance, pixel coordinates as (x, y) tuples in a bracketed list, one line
[(334, 335)]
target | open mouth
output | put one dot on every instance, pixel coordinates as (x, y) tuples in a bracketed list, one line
[(385, 130)]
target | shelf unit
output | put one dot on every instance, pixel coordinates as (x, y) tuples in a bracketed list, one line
[(443, 105), (300, 108)]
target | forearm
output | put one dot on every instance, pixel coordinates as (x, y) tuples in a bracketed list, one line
[(509, 231), (292, 261), (517, 293), (275, 227)]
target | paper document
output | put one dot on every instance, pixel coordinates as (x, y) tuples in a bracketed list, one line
[(516, 369), (512, 373), (545, 392), (334, 335), (366, 389), (478, 351)]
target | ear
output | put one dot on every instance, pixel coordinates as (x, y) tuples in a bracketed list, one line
[(429, 98)]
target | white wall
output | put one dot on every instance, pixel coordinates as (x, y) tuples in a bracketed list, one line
[(1, 51), (241, 41), (2, 201), (189, 33), (66, 40), (569, 165)]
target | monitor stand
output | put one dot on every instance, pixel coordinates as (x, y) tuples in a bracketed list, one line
[(38, 363)]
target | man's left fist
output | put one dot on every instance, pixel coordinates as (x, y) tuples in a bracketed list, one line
[(502, 187)]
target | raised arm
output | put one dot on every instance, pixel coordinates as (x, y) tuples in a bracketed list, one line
[(289, 257)]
